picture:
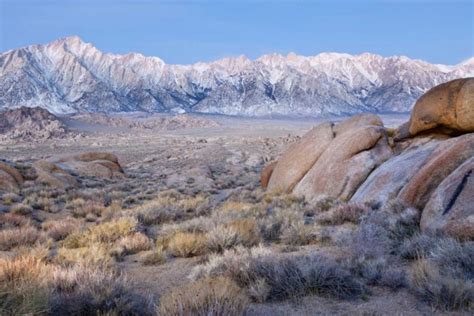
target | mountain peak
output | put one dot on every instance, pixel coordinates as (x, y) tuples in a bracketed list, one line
[(328, 83)]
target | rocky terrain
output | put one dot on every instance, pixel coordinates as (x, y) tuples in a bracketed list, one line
[(69, 75), (362, 215), (30, 124), (174, 122)]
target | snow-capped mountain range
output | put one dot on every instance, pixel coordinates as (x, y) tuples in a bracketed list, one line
[(69, 75)]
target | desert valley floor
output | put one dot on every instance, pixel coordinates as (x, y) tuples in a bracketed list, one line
[(202, 177)]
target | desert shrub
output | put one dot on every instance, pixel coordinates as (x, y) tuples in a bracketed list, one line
[(378, 271), (154, 257), (171, 206), (85, 208), (107, 232), (22, 236), (298, 234), (21, 209), (324, 276), (187, 244), (209, 296), (236, 232), (85, 291), (29, 285), (222, 237), (9, 220), (135, 243), (59, 230), (247, 230), (419, 245), (440, 291), (24, 287), (454, 258), (343, 213), (276, 278), (10, 198), (94, 255), (383, 232)]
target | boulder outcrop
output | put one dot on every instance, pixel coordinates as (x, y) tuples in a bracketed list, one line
[(426, 163), (449, 105), (62, 171)]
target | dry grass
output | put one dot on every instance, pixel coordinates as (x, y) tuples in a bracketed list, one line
[(187, 244), (31, 286), (154, 257), (107, 232), (237, 232), (22, 236), (9, 220), (209, 296), (94, 255), (135, 243), (59, 230), (343, 213), (21, 209), (442, 292), (85, 208), (171, 206)]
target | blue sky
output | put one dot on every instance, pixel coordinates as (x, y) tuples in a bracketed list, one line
[(200, 30)]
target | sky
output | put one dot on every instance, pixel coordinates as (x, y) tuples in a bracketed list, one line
[(185, 32)]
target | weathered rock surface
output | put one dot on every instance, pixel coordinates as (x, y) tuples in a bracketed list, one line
[(300, 157), (10, 178), (53, 175), (449, 105), (345, 164), (414, 174), (451, 207), (266, 174)]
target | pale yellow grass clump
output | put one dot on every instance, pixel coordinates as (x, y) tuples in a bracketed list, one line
[(187, 244), (24, 286), (209, 296), (107, 232), (135, 243)]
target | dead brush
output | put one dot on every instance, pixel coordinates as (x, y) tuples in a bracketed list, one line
[(343, 213), (187, 244), (21, 236), (59, 230), (442, 292), (209, 296)]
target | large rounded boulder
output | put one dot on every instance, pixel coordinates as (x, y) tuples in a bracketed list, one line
[(449, 105)]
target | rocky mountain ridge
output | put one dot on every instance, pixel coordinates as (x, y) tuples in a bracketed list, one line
[(69, 75)]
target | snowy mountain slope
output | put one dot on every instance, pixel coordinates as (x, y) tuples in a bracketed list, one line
[(69, 75)]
